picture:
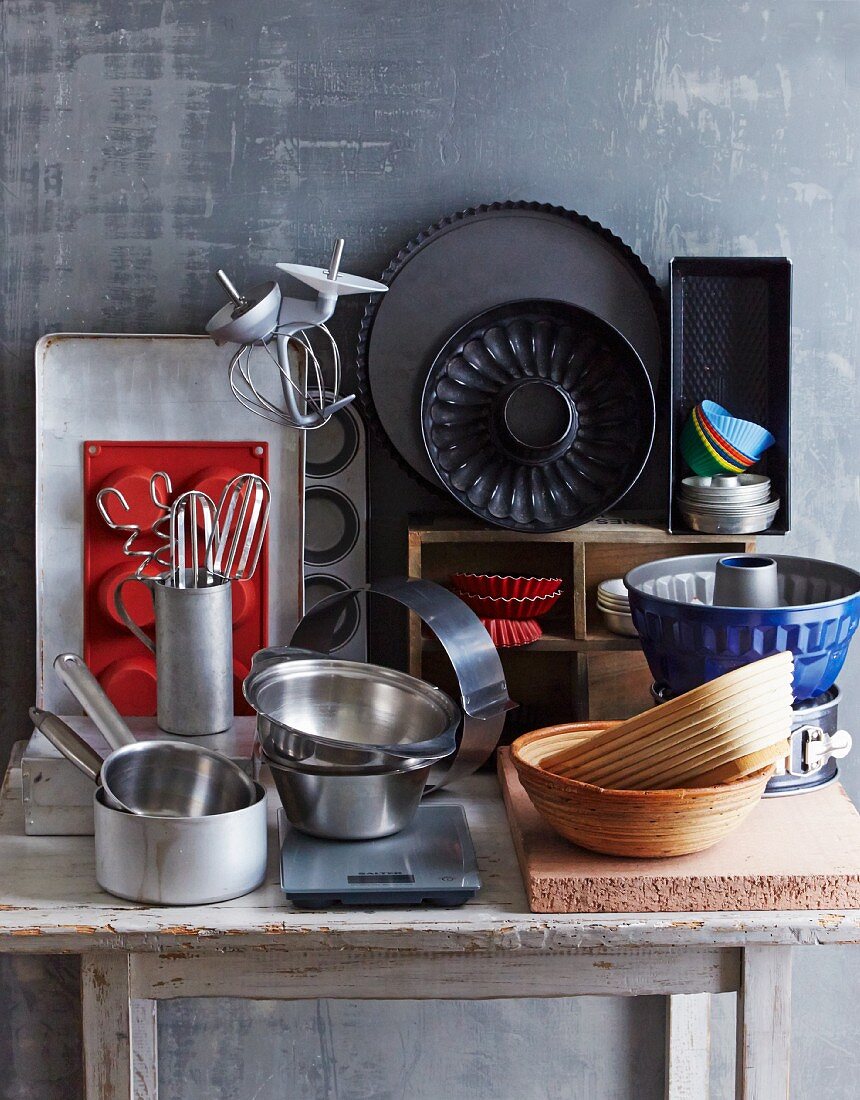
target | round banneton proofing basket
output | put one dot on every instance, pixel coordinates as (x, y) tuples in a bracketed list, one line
[(537, 416), (652, 824), (687, 641)]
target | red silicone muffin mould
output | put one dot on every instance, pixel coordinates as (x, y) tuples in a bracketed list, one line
[(125, 669)]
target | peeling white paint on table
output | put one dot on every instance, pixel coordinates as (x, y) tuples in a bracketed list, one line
[(259, 947)]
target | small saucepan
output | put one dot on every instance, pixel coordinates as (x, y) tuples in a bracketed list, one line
[(194, 834), (155, 778)]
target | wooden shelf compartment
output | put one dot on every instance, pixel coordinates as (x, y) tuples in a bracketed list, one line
[(543, 699), (578, 669), (597, 562)]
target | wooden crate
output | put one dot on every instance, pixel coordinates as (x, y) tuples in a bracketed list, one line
[(578, 670)]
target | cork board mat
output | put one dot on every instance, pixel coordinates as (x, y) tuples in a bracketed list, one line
[(796, 852)]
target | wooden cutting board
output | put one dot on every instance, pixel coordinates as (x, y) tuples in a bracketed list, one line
[(796, 852)]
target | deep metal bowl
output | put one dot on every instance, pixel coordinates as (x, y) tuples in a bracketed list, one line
[(330, 712), (345, 805)]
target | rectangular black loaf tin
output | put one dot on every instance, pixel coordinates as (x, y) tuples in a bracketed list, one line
[(731, 343)]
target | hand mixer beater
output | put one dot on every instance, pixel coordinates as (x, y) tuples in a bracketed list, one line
[(262, 317)]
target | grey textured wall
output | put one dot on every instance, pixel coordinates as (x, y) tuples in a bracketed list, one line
[(143, 144)]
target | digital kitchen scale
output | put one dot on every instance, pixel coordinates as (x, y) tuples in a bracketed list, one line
[(431, 862)]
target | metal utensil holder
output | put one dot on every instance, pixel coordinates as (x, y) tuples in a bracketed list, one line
[(483, 689)]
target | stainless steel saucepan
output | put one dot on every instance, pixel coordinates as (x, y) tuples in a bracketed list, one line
[(155, 778), (166, 859), (160, 778)]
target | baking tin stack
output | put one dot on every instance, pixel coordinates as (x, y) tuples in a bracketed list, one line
[(727, 505), (536, 345)]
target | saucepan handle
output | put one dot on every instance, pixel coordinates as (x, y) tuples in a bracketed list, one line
[(122, 611), (80, 681), (281, 653), (69, 743)]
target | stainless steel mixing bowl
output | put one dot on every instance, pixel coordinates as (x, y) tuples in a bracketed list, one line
[(350, 804), (330, 712)]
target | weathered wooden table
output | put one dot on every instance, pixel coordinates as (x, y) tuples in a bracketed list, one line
[(259, 947)]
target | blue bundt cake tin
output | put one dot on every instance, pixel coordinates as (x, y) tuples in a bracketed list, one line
[(687, 641)]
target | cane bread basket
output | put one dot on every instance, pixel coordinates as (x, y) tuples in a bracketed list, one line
[(643, 823), (738, 714)]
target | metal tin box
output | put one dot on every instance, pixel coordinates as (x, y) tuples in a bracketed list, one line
[(731, 343)]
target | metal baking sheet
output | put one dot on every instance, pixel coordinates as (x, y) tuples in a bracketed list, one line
[(140, 387)]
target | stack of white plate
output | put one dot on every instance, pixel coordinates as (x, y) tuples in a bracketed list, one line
[(615, 607), (731, 505)]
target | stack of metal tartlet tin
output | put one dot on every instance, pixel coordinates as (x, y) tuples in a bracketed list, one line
[(730, 505)]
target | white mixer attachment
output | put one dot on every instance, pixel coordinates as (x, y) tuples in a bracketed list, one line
[(263, 317)]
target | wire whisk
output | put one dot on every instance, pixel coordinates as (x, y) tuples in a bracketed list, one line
[(262, 318)]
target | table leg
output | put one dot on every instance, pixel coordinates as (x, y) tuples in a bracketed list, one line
[(120, 1034), (106, 1026), (144, 1049), (764, 1024), (688, 1046)]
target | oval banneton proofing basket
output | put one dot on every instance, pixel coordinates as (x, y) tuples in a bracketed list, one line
[(687, 641), (644, 824)]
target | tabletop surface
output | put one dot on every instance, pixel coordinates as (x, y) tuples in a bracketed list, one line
[(50, 902)]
